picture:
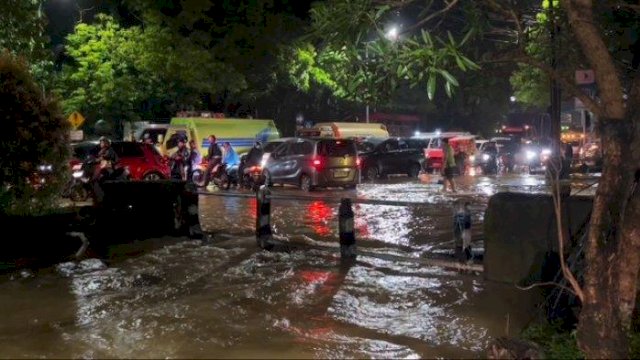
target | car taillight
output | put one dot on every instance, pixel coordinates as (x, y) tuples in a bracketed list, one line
[(317, 162), (358, 162)]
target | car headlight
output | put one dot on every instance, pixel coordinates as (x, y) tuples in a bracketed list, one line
[(78, 174), (472, 158), (530, 155), (546, 152), (486, 157), (44, 168)]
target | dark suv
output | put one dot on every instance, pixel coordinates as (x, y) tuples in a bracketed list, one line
[(311, 163), (381, 157)]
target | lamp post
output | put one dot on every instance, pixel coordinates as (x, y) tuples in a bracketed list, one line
[(392, 35)]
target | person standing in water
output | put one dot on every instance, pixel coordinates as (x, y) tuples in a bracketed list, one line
[(448, 166)]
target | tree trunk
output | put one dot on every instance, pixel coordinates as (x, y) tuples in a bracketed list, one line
[(613, 248)]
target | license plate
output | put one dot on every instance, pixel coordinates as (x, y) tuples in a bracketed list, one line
[(340, 173)]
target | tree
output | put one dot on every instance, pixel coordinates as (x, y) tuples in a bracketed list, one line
[(119, 73), (22, 24), (604, 37), (33, 133)]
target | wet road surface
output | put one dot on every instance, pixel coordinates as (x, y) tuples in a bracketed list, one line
[(225, 298)]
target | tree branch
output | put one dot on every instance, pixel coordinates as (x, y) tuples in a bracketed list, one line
[(449, 6), (550, 283), (580, 13)]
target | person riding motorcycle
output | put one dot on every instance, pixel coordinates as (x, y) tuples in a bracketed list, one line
[(194, 158), (232, 161), (253, 158), (214, 157), (107, 157), (180, 161)]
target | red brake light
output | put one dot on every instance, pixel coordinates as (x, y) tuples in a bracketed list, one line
[(358, 162), (317, 162)]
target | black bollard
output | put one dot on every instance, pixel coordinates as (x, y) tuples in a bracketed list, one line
[(263, 218), (462, 232), (346, 230)]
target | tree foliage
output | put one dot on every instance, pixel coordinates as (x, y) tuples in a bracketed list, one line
[(119, 72), (33, 133), (350, 51)]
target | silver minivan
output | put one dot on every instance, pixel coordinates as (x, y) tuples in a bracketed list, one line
[(313, 163)]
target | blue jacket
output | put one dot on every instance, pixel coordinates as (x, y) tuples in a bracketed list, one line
[(231, 157)]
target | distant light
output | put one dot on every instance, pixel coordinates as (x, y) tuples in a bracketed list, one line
[(417, 133), (392, 33), (526, 127), (513, 99), (438, 132), (504, 127)]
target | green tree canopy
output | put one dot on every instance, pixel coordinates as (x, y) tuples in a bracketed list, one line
[(32, 133), (118, 72)]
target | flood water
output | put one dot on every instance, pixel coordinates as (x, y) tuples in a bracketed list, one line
[(225, 298)]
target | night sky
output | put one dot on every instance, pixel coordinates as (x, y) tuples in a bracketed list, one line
[(64, 14)]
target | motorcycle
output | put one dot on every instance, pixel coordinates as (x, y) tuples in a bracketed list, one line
[(219, 176), (81, 186), (252, 177)]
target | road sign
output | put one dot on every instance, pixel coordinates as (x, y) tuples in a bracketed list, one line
[(585, 77), (76, 120)]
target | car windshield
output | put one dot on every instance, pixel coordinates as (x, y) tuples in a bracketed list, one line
[(336, 148), (154, 134)]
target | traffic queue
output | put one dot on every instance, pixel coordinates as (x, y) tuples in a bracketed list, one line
[(248, 153)]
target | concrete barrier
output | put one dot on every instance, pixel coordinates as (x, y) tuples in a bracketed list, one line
[(135, 210), (521, 236), (41, 239)]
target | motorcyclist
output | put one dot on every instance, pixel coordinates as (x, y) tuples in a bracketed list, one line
[(230, 158), (253, 158), (214, 157), (180, 160), (107, 157)]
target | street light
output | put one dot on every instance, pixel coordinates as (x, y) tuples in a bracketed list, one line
[(513, 99), (392, 33)]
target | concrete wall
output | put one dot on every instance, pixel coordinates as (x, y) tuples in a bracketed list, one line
[(520, 232)]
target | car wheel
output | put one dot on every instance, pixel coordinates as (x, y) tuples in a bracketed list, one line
[(305, 183), (371, 173), (414, 170), (152, 176)]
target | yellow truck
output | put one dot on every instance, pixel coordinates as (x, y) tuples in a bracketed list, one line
[(345, 130), (240, 133)]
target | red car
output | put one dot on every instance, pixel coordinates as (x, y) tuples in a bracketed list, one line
[(144, 160)]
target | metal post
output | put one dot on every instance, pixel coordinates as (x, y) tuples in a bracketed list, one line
[(263, 218), (346, 230), (555, 110), (366, 56)]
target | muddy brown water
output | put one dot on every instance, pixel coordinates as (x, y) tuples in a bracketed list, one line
[(226, 299)]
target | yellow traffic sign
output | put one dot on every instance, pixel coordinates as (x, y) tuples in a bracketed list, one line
[(76, 120)]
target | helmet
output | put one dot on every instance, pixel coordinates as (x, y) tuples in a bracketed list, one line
[(105, 139)]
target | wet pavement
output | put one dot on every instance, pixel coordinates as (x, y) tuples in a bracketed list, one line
[(224, 298)]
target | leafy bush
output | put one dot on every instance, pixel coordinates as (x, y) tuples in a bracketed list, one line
[(556, 342), (33, 133)]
